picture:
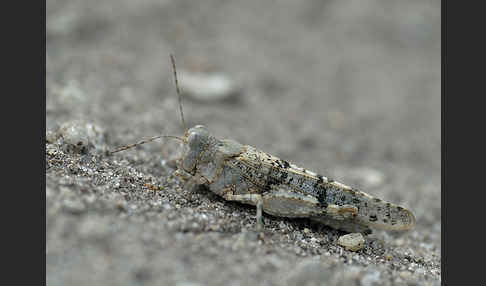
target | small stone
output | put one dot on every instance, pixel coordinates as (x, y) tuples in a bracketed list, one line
[(51, 136), (207, 86), (352, 241), (373, 178), (366, 177), (79, 134)]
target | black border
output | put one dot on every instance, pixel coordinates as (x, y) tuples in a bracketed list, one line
[(463, 78), (24, 105), (43, 136), (443, 137)]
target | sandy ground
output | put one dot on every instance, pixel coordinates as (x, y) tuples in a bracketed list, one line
[(348, 89)]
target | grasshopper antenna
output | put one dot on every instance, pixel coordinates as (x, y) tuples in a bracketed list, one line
[(172, 59), (145, 141)]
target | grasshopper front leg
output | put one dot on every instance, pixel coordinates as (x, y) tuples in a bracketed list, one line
[(189, 181)]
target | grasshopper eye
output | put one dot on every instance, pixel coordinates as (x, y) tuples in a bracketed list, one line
[(195, 139), (198, 136)]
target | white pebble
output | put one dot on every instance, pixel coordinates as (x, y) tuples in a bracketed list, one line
[(206, 86), (352, 241), (78, 132)]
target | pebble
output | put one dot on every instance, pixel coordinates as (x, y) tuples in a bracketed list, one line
[(352, 241), (207, 86), (51, 136), (368, 177), (79, 133)]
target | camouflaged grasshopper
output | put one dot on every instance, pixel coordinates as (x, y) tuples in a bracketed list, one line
[(247, 175)]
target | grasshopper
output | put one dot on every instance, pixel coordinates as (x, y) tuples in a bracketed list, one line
[(242, 173)]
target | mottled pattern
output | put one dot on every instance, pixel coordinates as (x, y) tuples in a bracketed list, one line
[(265, 170), (287, 190)]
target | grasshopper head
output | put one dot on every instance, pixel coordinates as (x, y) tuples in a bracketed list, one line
[(197, 137), (198, 142), (205, 155)]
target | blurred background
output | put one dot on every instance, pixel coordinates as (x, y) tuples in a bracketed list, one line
[(348, 89)]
